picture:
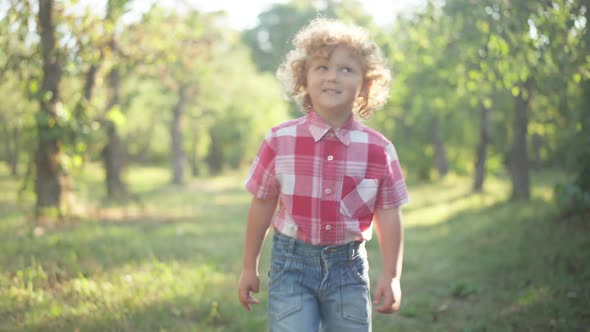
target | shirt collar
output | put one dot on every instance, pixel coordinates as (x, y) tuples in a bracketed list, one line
[(318, 128)]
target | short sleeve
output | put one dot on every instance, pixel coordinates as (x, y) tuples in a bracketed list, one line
[(261, 180), (393, 191)]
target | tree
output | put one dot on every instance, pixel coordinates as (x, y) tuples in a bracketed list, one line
[(182, 65), (270, 39), (112, 153), (422, 102), (506, 54), (19, 74), (50, 179)]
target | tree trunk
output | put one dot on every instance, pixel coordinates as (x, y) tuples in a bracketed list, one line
[(91, 79), (215, 155), (10, 145), (440, 153), (586, 82), (177, 138), (482, 147), (519, 164), (49, 176), (13, 153), (88, 89), (194, 158), (112, 151)]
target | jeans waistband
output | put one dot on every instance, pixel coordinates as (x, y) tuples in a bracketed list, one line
[(298, 247)]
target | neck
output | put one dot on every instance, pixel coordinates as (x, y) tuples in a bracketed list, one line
[(334, 120)]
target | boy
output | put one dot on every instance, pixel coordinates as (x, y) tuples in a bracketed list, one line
[(331, 176)]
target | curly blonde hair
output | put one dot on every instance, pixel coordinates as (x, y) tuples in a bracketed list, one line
[(319, 39)]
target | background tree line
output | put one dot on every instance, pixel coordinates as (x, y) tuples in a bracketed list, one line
[(480, 87)]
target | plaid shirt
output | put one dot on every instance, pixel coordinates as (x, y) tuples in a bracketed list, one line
[(329, 181)]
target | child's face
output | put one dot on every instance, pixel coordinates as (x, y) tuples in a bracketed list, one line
[(334, 83)]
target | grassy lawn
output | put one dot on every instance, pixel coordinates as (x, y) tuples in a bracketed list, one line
[(170, 263)]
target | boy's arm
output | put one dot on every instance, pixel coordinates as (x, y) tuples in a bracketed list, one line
[(259, 219), (388, 292)]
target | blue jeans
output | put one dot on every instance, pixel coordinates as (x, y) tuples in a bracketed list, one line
[(318, 287)]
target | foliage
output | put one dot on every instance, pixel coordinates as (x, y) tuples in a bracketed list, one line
[(270, 39), (19, 74), (449, 59), (573, 199), (225, 90), (255, 105)]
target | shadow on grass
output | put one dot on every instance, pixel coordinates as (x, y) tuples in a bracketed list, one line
[(97, 248), (182, 313), (510, 266), (201, 232), (506, 267)]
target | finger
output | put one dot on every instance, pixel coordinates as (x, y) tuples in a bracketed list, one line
[(385, 309), (244, 297), (387, 306), (253, 300), (378, 295), (248, 301)]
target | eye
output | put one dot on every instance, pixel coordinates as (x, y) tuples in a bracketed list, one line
[(322, 67), (346, 69)]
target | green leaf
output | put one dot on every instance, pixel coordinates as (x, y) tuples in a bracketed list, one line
[(55, 310), (77, 161), (577, 78), (33, 86), (116, 116), (515, 91), (474, 75), (47, 96)]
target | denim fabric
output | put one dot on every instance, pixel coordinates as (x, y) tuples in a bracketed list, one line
[(318, 287)]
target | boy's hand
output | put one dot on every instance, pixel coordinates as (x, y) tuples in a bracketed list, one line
[(389, 294), (249, 282)]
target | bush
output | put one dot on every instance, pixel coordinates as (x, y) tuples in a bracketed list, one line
[(573, 200)]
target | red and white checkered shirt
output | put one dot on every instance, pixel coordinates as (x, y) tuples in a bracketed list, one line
[(329, 181)]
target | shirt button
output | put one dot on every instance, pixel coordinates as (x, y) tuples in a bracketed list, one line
[(328, 191), (328, 227), (330, 158)]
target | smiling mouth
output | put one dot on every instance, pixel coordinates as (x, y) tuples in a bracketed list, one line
[(331, 91)]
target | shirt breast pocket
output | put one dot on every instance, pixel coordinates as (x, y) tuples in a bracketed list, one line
[(360, 201)]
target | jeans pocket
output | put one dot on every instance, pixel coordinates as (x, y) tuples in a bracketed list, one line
[(356, 304), (284, 290), (278, 265), (356, 270)]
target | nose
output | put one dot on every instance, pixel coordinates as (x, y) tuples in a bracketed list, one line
[(331, 75)]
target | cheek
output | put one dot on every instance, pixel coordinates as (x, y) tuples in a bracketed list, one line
[(311, 83)]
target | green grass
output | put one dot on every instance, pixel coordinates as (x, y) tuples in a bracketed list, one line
[(473, 262)]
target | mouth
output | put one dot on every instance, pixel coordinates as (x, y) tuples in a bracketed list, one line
[(331, 91)]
